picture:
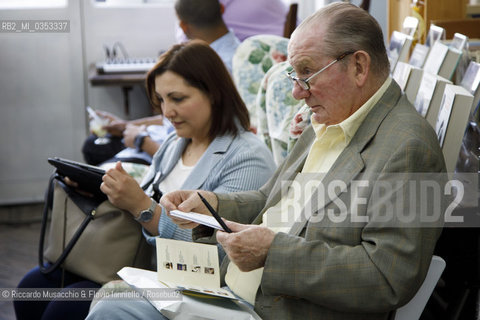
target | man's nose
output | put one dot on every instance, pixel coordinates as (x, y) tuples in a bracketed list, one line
[(299, 93)]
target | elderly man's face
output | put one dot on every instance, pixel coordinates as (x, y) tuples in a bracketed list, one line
[(331, 96)]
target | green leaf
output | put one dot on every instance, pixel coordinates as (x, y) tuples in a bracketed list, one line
[(256, 56), (266, 64), (264, 46), (253, 87)]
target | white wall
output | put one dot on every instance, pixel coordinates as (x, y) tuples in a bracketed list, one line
[(144, 30), (378, 9), (44, 87), (41, 98)]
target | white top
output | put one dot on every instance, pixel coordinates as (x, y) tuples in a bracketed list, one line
[(176, 177)]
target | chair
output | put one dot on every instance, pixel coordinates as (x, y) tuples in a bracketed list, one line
[(252, 59), (414, 308), (275, 109), (291, 22)]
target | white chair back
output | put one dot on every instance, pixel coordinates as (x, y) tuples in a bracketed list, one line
[(414, 308)]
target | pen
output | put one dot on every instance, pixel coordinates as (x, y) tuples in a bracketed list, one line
[(214, 214)]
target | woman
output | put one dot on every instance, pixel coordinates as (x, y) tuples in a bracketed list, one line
[(211, 149)]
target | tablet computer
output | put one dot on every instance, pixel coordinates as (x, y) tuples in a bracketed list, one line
[(89, 178)]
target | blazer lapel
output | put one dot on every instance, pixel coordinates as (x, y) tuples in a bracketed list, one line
[(208, 161), (344, 170), (292, 166)]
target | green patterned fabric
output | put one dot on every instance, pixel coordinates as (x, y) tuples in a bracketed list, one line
[(253, 58), (275, 110)]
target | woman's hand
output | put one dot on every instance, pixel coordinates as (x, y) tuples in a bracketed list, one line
[(73, 184), (123, 191)]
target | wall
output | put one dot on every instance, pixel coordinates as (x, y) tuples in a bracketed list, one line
[(378, 9), (41, 98), (44, 87), (143, 30)]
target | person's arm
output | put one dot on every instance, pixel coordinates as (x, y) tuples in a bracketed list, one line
[(147, 121), (117, 125), (148, 145)]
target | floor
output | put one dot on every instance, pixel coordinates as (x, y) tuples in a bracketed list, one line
[(19, 234)]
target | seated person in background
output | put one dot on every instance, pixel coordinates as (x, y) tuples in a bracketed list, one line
[(247, 18), (133, 141), (203, 20), (211, 149), (312, 243)]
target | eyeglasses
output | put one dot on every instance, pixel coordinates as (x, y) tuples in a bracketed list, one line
[(304, 83)]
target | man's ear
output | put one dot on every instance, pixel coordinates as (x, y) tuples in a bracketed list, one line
[(222, 8), (362, 67), (184, 26)]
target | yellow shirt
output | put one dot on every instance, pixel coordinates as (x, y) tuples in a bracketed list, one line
[(329, 143)]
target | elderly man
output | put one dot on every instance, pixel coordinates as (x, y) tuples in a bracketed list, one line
[(321, 240), (363, 129)]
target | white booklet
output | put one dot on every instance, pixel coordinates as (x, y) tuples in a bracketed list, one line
[(190, 266), (203, 219)]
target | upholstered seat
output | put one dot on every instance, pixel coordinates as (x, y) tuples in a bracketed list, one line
[(275, 110), (253, 58)]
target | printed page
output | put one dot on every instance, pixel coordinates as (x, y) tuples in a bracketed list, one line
[(401, 74), (190, 266), (397, 41), (425, 93), (419, 54), (471, 79), (444, 114)]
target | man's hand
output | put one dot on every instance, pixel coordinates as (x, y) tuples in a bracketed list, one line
[(123, 191), (247, 246), (116, 126), (187, 201), (131, 131)]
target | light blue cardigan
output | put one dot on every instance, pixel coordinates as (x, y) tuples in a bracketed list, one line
[(230, 163)]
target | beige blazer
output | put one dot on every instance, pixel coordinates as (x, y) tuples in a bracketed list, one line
[(325, 269)]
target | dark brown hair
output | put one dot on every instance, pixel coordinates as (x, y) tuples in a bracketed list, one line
[(202, 14), (201, 67)]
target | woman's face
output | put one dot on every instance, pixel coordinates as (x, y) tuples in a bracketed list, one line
[(187, 108)]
